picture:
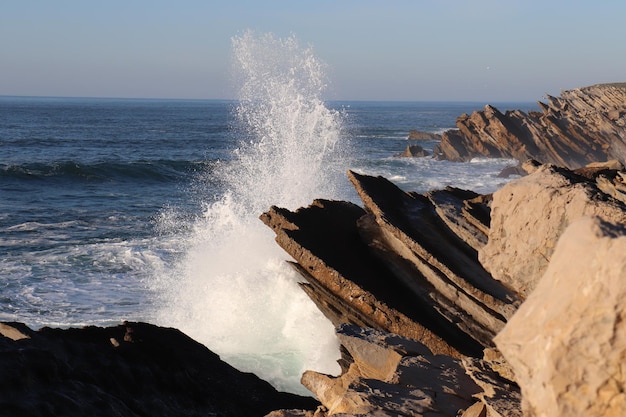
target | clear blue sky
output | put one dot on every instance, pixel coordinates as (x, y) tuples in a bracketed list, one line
[(469, 50)]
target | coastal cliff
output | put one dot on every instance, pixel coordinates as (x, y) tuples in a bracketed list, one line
[(426, 293), (581, 126)]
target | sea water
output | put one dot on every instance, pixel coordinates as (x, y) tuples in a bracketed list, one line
[(115, 210)]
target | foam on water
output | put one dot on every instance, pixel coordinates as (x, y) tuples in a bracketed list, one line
[(231, 288), (44, 289)]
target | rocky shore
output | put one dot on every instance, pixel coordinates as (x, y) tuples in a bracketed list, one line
[(447, 303), (434, 285), (581, 126)]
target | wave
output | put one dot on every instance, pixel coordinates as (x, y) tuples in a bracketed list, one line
[(162, 170)]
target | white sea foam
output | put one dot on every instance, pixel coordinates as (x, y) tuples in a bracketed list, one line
[(231, 289)]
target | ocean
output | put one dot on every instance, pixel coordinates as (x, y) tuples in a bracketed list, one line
[(147, 209)]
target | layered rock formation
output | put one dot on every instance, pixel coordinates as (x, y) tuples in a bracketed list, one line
[(449, 270), (407, 264), (134, 369), (582, 126)]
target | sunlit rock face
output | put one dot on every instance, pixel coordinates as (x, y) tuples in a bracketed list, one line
[(567, 342), (581, 126)]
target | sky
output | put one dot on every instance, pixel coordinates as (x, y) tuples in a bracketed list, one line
[(415, 50)]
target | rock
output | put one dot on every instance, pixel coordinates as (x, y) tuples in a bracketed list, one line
[(511, 171), (347, 283), (419, 135), (449, 269), (529, 215), (413, 151), (433, 259), (407, 264), (12, 331), (595, 169), (477, 410), (567, 342), (391, 376), (583, 125), (291, 413), (134, 369)]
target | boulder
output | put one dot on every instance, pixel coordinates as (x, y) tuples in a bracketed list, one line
[(393, 376), (567, 342), (529, 215), (134, 369), (583, 125)]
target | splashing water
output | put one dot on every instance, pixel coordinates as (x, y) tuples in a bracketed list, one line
[(232, 290)]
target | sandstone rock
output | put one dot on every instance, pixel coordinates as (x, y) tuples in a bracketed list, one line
[(511, 171), (347, 283), (529, 215), (419, 135), (594, 170), (12, 331), (434, 258), (148, 371), (407, 264), (291, 413), (394, 376), (567, 342), (583, 125)]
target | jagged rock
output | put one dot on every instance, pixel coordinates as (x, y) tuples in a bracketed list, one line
[(567, 342), (529, 215), (394, 376), (594, 170), (407, 264), (419, 135), (413, 151), (433, 258), (134, 369), (583, 125), (464, 212), (347, 283)]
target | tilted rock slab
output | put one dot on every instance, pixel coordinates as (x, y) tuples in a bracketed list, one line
[(583, 125), (432, 258), (344, 279), (567, 342), (394, 376), (406, 264), (529, 215)]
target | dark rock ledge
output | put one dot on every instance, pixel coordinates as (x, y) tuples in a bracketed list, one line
[(134, 369)]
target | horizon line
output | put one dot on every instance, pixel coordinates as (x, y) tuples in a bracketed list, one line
[(473, 101)]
